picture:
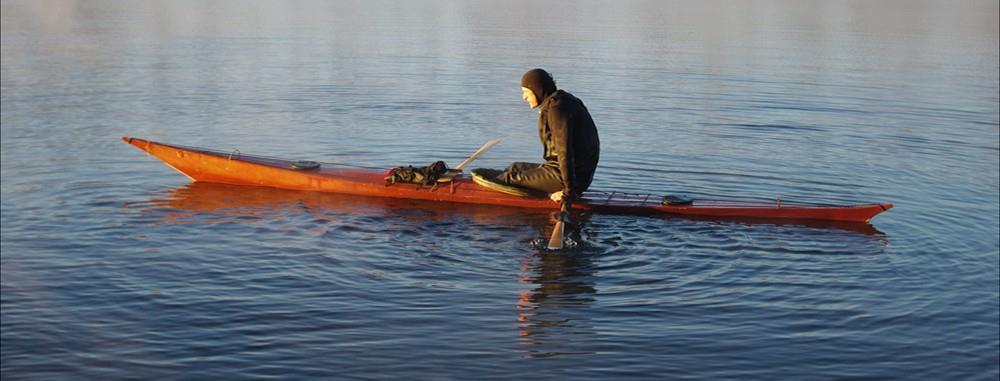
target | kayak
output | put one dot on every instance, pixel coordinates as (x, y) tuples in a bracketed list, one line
[(235, 168)]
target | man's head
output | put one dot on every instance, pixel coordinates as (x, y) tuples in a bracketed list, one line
[(536, 85)]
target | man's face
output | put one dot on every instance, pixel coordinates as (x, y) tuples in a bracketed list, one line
[(529, 97)]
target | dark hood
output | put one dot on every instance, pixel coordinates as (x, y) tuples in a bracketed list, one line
[(539, 82)]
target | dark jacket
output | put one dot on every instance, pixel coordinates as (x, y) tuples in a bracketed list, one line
[(569, 137)]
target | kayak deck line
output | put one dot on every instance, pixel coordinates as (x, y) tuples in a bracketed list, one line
[(235, 168)]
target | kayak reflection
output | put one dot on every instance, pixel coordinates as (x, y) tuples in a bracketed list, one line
[(214, 202), (205, 202), (864, 228)]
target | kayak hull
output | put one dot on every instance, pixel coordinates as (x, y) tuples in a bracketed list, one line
[(238, 169)]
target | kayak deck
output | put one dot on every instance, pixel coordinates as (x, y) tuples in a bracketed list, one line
[(238, 169)]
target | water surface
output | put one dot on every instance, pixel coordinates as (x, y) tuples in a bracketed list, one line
[(115, 267)]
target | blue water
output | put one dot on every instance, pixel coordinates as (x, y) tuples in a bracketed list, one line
[(115, 267)]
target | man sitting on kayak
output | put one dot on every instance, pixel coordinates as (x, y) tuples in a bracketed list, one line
[(569, 139)]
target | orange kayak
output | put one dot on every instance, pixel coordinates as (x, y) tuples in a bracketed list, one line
[(240, 169)]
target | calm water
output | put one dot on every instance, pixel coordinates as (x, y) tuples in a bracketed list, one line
[(115, 267)]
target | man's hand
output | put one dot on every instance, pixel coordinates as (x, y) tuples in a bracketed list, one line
[(567, 205), (557, 196)]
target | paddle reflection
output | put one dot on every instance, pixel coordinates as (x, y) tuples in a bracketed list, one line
[(557, 289)]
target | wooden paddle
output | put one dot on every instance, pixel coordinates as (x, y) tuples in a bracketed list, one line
[(556, 241), (450, 175)]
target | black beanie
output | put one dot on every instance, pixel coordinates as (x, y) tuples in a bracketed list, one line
[(539, 82)]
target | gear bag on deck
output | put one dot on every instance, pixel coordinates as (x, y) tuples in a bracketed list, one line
[(426, 175)]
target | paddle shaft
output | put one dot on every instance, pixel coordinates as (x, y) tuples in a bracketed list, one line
[(452, 172), (558, 231), (476, 154)]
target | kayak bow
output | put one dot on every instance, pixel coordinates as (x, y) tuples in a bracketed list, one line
[(238, 169)]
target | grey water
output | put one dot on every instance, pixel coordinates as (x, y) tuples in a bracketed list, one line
[(116, 267)]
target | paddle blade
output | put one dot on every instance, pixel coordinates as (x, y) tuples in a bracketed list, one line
[(556, 241), (476, 154)]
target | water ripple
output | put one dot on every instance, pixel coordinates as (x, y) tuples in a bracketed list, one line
[(115, 268)]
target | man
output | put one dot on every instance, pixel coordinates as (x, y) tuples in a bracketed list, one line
[(569, 141)]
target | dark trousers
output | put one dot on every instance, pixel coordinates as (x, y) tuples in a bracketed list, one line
[(541, 177)]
